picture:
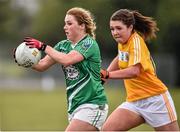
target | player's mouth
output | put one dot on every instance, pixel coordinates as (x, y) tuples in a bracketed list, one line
[(117, 37), (67, 33)]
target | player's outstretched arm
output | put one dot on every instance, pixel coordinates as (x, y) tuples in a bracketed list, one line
[(59, 57), (65, 59)]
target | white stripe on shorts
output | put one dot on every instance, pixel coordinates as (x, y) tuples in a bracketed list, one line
[(91, 113), (170, 110)]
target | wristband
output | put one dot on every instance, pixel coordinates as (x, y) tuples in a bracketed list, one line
[(43, 47), (107, 75)]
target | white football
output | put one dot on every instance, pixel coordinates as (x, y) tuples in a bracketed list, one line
[(27, 57)]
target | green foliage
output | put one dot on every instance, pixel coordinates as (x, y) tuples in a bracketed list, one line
[(168, 19), (12, 21), (46, 111), (47, 23)]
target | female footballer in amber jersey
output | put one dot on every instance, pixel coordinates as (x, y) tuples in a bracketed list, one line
[(146, 84), (148, 100)]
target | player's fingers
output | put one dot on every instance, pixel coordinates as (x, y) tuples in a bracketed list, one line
[(30, 43), (101, 75), (31, 46), (27, 38)]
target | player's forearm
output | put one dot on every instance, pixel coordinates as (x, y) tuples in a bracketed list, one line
[(36, 68), (59, 57), (41, 66), (114, 65), (44, 64), (127, 73)]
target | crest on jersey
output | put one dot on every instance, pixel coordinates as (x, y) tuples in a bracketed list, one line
[(85, 46), (71, 72), (123, 56)]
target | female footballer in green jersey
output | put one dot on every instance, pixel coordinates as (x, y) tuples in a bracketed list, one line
[(80, 58)]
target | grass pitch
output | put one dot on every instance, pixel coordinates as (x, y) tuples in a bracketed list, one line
[(46, 111)]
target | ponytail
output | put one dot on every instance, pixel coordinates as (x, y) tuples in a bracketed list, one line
[(146, 26)]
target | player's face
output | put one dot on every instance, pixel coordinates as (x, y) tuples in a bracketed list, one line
[(72, 28), (120, 31)]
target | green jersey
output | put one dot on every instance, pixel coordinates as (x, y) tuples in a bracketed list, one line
[(83, 79)]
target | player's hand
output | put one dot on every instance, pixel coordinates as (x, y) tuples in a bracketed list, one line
[(104, 75), (34, 43)]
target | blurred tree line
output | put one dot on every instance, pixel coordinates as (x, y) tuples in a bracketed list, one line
[(47, 21)]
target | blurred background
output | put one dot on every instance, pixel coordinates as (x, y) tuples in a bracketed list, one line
[(36, 101)]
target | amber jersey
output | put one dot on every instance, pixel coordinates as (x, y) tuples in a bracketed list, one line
[(147, 83)]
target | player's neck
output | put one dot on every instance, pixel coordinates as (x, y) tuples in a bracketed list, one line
[(79, 38)]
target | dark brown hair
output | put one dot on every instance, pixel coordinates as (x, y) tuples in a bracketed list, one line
[(146, 26)]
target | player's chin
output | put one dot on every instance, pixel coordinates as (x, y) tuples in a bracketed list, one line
[(118, 40), (68, 37)]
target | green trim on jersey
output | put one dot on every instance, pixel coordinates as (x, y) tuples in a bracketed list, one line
[(83, 79)]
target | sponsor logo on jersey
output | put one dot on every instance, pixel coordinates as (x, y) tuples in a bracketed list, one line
[(85, 46), (62, 49), (123, 56), (71, 72)]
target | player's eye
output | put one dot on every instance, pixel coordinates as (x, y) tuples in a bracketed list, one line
[(118, 28), (69, 23), (112, 29)]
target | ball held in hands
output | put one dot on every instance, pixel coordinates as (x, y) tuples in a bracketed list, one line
[(25, 56)]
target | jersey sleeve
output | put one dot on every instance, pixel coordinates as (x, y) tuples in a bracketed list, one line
[(138, 52), (85, 48), (59, 45)]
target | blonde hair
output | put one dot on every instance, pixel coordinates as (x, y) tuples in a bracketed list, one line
[(84, 16), (144, 25)]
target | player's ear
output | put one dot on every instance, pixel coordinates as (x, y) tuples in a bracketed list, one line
[(83, 26), (131, 27)]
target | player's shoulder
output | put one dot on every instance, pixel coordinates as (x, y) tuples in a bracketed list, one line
[(63, 42), (136, 39), (89, 41)]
